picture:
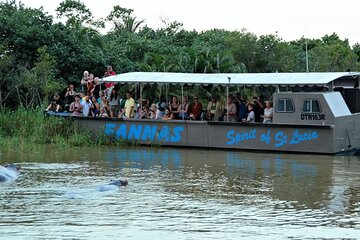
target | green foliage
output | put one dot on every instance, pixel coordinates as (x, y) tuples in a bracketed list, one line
[(39, 57), (123, 20), (23, 31), (76, 14)]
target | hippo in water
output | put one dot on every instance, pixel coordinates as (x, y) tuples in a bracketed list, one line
[(9, 172), (114, 185)]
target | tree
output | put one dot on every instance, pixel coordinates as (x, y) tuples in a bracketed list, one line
[(243, 45), (123, 20), (6, 70), (77, 14), (23, 31)]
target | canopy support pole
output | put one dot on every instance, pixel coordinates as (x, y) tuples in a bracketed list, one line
[(182, 99), (141, 105), (167, 88), (227, 101)]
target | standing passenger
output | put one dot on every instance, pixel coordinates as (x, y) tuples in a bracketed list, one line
[(213, 109), (84, 80), (268, 112), (129, 108), (231, 112), (87, 107), (109, 85), (184, 108), (195, 109), (114, 102)]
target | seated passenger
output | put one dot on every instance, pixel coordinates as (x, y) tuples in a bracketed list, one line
[(104, 107), (96, 106), (152, 111), (160, 111), (251, 115), (82, 97), (268, 112), (195, 109), (144, 112), (168, 114), (56, 104), (75, 107), (99, 99)]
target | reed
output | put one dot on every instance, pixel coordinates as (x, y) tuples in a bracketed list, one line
[(23, 128), (26, 128)]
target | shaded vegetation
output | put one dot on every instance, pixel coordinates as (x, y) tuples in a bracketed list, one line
[(40, 55)]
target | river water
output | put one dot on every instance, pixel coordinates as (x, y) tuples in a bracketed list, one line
[(179, 194)]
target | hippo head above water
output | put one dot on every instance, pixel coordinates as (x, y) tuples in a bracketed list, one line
[(9, 172), (13, 167), (119, 183)]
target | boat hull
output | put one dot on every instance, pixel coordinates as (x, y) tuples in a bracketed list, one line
[(268, 137)]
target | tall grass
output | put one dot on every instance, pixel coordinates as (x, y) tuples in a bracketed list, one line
[(26, 128)]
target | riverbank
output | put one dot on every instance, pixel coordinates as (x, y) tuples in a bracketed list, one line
[(24, 128)]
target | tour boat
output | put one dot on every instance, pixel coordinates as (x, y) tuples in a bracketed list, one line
[(312, 113)]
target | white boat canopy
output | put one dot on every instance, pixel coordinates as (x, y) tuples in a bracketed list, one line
[(242, 79)]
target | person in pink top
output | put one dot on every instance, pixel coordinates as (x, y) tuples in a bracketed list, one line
[(75, 107)]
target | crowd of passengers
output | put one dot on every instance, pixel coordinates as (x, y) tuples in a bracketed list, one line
[(103, 100)]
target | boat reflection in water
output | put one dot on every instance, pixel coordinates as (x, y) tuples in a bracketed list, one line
[(298, 181)]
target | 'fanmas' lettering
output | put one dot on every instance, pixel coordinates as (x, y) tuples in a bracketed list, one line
[(144, 132)]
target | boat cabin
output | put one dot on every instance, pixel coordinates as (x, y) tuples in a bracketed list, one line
[(315, 108)]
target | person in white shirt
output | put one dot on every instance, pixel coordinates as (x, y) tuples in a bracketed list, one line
[(268, 112), (251, 115), (87, 106)]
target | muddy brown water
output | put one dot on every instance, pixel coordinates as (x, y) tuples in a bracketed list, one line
[(177, 193)]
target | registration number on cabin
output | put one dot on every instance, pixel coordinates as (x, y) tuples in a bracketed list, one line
[(312, 116)]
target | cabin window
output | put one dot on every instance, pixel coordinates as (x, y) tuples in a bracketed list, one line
[(311, 106), (285, 105)]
